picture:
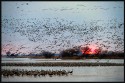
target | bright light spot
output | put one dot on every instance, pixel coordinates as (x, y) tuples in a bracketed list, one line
[(91, 49)]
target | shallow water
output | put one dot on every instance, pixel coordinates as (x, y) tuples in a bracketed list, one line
[(24, 60), (80, 74)]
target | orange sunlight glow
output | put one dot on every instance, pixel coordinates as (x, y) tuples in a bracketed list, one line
[(91, 50)]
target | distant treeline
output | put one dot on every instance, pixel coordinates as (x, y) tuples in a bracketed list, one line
[(73, 53)]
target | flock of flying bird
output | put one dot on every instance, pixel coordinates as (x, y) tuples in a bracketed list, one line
[(58, 34)]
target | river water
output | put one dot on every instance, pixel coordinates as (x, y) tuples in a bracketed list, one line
[(29, 60), (80, 74)]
